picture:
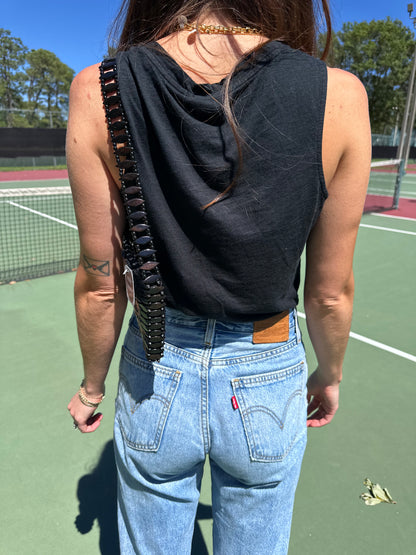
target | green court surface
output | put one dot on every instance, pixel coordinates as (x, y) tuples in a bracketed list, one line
[(34, 183), (58, 486)]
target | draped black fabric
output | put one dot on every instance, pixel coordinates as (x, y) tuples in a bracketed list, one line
[(239, 259)]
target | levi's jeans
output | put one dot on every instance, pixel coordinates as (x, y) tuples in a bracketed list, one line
[(214, 393)]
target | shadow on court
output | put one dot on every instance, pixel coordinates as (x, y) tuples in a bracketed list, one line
[(97, 496), (52, 476)]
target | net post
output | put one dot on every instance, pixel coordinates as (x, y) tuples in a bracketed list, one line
[(399, 178)]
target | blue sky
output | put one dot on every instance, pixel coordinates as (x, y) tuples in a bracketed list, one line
[(76, 31)]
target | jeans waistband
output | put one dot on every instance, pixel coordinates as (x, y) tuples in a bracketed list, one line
[(177, 318), (223, 341)]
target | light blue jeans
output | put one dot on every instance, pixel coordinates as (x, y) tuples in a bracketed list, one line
[(213, 393)]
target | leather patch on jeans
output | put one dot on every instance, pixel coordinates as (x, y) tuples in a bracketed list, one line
[(272, 330)]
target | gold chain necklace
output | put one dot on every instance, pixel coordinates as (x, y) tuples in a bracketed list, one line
[(216, 29)]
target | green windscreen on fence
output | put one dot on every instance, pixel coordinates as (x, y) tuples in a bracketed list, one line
[(38, 233)]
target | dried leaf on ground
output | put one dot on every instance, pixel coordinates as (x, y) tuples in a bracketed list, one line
[(376, 494)]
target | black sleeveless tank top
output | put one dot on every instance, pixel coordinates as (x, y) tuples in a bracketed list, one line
[(240, 258)]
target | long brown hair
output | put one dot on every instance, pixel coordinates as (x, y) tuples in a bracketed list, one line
[(295, 22)]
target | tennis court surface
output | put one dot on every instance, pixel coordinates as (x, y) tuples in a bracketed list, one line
[(58, 486)]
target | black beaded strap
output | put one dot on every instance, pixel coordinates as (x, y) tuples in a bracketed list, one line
[(138, 248)]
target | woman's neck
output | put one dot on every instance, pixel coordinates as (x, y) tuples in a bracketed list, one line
[(208, 58)]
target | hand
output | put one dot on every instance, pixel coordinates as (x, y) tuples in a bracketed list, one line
[(323, 400), (83, 416)]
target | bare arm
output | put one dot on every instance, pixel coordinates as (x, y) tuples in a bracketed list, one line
[(329, 282), (100, 299)]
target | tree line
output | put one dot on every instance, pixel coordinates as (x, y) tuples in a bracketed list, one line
[(379, 53), (34, 85)]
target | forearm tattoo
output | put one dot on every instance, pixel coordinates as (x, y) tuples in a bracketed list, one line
[(96, 267)]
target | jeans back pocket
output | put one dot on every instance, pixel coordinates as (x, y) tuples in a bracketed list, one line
[(145, 395), (273, 410)]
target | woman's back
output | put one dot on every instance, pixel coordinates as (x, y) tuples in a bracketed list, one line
[(243, 252), (235, 392)]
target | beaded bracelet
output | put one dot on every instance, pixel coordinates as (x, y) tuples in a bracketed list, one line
[(89, 402)]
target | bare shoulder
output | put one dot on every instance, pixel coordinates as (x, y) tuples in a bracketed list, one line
[(85, 93), (86, 111), (86, 80), (347, 104), (345, 89), (87, 134), (347, 125)]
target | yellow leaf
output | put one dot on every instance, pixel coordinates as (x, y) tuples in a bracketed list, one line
[(377, 491), (373, 501), (389, 497), (376, 494)]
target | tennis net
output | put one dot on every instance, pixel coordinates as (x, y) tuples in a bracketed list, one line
[(38, 233), (384, 187)]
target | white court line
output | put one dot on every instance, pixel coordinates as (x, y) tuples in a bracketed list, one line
[(301, 314), (41, 214), (391, 216), (388, 229), (377, 344), (382, 346)]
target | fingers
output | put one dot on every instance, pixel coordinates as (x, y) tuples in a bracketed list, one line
[(323, 400), (91, 424), (318, 419), (83, 416), (320, 413), (313, 405)]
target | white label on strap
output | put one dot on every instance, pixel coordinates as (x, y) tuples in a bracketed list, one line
[(128, 276)]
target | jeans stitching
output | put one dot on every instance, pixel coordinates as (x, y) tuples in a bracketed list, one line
[(218, 362), (248, 432), (150, 367), (225, 361), (265, 410), (166, 402), (205, 364), (255, 357), (204, 405), (238, 384), (277, 375)]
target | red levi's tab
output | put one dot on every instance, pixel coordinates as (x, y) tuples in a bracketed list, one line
[(234, 402)]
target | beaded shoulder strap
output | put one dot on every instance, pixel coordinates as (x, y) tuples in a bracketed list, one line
[(138, 248)]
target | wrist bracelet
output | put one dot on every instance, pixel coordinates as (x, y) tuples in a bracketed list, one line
[(88, 401)]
